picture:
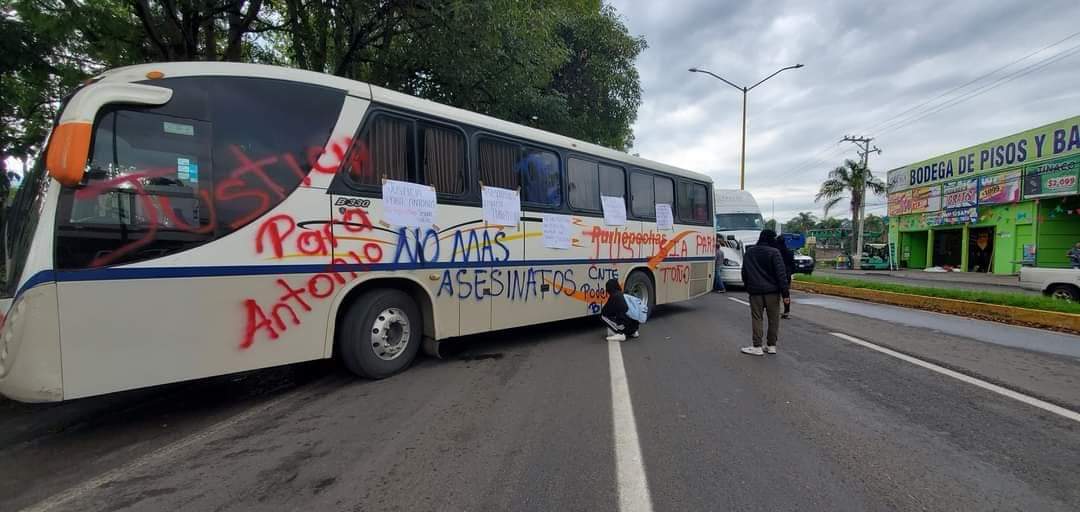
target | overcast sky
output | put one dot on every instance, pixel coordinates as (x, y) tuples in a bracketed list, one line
[(866, 63)]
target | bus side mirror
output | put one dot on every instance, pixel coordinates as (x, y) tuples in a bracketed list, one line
[(69, 143)]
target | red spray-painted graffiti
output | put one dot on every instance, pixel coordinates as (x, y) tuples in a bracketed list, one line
[(274, 235), (635, 244), (249, 185), (676, 274), (318, 287)]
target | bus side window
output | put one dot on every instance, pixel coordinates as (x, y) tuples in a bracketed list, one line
[(388, 141), (146, 192), (641, 195), (584, 178), (497, 161), (443, 159), (664, 193), (612, 181), (693, 202), (509, 165)]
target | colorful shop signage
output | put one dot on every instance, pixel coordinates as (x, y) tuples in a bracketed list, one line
[(954, 216), (900, 203), (959, 193), (1055, 140), (1000, 188), (1053, 178), (925, 199)]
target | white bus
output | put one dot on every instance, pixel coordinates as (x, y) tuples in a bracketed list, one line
[(199, 219)]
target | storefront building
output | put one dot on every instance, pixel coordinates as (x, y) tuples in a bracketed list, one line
[(991, 207)]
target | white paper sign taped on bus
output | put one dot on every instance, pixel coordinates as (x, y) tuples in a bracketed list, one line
[(408, 204), (502, 207)]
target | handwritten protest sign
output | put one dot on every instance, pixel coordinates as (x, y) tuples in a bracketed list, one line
[(408, 204), (614, 210), (502, 207), (664, 219), (556, 231)]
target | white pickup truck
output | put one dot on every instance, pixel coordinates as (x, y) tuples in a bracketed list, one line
[(1060, 283)]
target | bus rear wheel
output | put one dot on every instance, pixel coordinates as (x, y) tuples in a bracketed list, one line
[(639, 285), (380, 334)]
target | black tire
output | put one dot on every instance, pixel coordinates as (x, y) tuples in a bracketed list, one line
[(639, 285), (1066, 292), (375, 311)]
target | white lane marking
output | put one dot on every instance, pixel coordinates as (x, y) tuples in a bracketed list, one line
[(740, 301), (631, 483), (160, 455), (1020, 397)]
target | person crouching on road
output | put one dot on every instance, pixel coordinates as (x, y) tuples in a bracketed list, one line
[(765, 279), (614, 314)]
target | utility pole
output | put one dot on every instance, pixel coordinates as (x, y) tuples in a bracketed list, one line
[(863, 144)]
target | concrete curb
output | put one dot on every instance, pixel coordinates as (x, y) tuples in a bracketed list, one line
[(1067, 322)]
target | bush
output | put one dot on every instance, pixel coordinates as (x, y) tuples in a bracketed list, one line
[(1020, 300)]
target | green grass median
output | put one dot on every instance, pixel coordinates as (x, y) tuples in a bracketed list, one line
[(1019, 300)]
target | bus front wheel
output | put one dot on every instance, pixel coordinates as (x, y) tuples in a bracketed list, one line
[(380, 334)]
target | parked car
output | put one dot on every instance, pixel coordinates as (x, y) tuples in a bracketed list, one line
[(1060, 283), (804, 264)]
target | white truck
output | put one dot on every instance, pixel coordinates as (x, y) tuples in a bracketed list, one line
[(1060, 283), (738, 224)]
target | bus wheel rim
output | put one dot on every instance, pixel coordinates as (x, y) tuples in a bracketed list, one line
[(390, 333), (640, 292)]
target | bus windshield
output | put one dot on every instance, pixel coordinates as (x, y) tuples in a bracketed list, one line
[(19, 225), (739, 221)]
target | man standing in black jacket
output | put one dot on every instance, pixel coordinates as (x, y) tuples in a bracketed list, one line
[(766, 280)]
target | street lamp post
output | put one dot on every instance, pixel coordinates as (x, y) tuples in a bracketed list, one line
[(745, 90)]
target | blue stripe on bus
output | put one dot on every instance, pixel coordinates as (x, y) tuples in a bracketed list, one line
[(109, 274)]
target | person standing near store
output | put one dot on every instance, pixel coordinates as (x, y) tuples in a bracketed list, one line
[(766, 280), (1074, 256), (981, 253)]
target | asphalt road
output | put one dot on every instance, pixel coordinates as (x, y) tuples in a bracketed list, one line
[(555, 418)]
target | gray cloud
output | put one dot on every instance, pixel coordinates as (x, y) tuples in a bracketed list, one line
[(865, 62)]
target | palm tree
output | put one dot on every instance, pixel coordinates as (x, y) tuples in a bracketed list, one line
[(802, 223), (850, 180)]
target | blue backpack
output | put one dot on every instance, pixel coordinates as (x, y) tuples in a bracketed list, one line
[(636, 308)]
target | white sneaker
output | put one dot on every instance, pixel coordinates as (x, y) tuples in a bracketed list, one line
[(617, 337), (753, 351), (635, 334), (770, 349)]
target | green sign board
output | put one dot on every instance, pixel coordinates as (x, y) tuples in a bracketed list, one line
[(1053, 178), (1055, 140)]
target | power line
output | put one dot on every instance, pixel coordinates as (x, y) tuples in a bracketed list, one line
[(881, 124), (989, 87), (896, 122)]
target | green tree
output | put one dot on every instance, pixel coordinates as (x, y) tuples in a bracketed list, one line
[(874, 223), (850, 181), (770, 224), (801, 223), (562, 65), (829, 223)]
